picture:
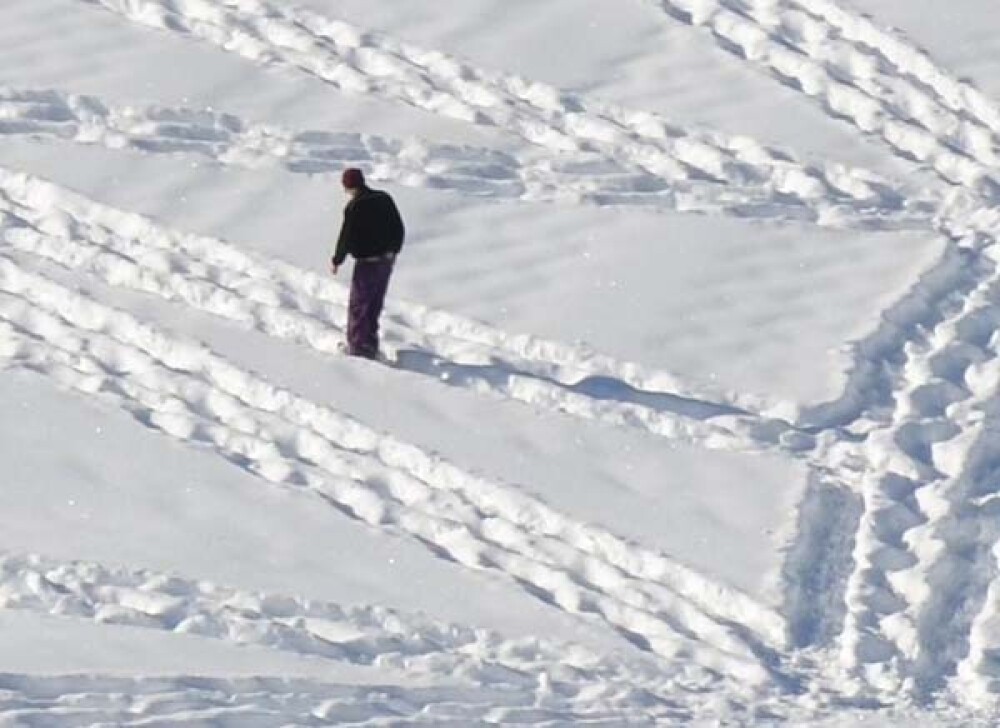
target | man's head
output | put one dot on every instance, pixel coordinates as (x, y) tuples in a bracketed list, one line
[(353, 180)]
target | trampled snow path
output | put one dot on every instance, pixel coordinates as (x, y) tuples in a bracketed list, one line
[(760, 191), (360, 62), (99, 700), (189, 393), (869, 77), (920, 559), (917, 406), (569, 681), (921, 601), (920, 604), (281, 300), (96, 700)]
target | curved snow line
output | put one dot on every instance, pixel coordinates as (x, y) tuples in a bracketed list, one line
[(960, 96), (361, 62), (922, 552), (865, 401), (194, 395), (584, 177), (803, 49), (287, 302), (902, 590), (367, 636)]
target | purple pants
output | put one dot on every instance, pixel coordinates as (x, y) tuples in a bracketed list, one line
[(368, 287)]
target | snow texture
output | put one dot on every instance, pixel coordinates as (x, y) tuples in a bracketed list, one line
[(689, 407)]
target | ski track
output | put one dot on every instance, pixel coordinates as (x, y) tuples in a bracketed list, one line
[(283, 301), (187, 392), (522, 670), (584, 177), (361, 62)]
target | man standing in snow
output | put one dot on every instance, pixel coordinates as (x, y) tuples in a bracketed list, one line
[(372, 233)]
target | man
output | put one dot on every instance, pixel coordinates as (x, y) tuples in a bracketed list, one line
[(372, 233)]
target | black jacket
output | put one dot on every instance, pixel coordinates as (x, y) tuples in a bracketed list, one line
[(372, 227)]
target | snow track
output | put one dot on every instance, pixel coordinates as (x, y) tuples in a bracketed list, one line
[(284, 301), (591, 177), (250, 702), (949, 91), (97, 700), (873, 80), (189, 393), (921, 598), (365, 63), (524, 670), (919, 553), (924, 561), (903, 499)]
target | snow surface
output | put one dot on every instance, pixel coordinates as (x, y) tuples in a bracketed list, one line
[(689, 409)]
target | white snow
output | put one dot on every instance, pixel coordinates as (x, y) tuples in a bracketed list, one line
[(689, 408)]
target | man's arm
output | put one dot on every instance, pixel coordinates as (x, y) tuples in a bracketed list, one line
[(344, 239), (396, 220)]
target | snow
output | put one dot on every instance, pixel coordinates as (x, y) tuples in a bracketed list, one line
[(729, 307), (199, 512), (690, 394), (40, 646)]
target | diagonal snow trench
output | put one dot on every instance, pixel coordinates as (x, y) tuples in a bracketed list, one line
[(186, 391), (366, 63), (365, 636), (283, 301), (920, 598), (870, 78), (923, 554), (586, 177), (922, 604)]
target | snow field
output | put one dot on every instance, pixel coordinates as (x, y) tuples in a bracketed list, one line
[(286, 302), (477, 523), (363, 63), (888, 579), (713, 304)]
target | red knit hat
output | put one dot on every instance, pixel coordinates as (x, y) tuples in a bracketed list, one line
[(352, 178)]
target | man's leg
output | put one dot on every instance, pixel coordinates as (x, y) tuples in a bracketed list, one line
[(368, 288), (356, 305), (380, 285)]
